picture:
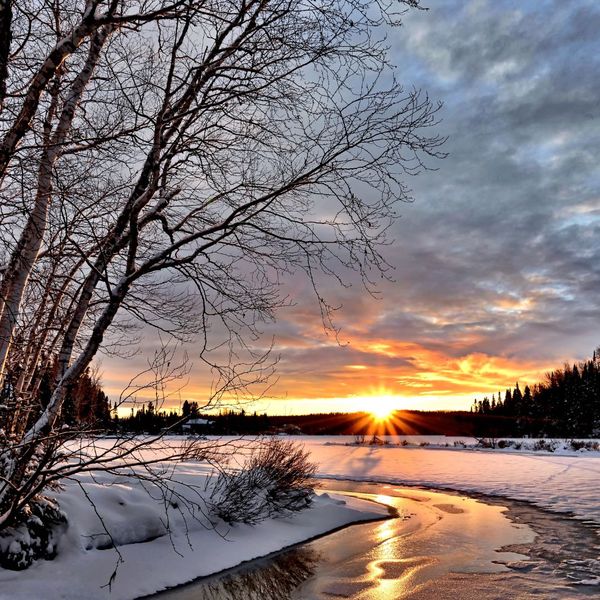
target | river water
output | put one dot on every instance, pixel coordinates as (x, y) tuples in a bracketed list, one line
[(438, 545)]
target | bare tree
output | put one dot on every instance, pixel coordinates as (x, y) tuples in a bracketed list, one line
[(161, 155)]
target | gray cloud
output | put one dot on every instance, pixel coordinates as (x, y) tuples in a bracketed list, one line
[(521, 113), (500, 253)]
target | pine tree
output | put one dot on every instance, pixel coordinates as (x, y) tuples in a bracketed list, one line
[(186, 409), (508, 404)]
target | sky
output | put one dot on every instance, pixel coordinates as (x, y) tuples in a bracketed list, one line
[(497, 260)]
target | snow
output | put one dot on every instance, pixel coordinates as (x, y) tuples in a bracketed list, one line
[(137, 517), (198, 422), (563, 481)]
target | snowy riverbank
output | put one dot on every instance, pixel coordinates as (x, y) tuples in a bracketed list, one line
[(153, 559), (562, 482)]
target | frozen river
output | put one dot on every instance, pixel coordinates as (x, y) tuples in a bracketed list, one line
[(436, 545)]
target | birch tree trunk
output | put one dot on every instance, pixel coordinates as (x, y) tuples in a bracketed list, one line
[(28, 246)]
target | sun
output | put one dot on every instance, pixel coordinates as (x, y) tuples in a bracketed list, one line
[(382, 407)]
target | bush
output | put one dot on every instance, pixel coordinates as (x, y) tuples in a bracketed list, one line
[(276, 480), (487, 442), (34, 536), (377, 441), (545, 445), (506, 444), (581, 445)]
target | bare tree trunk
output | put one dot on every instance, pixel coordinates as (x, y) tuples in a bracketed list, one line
[(46, 72), (29, 244)]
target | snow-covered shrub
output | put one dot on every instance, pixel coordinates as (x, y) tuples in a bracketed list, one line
[(276, 480), (506, 444), (377, 441), (459, 444), (487, 442), (584, 445), (34, 536), (545, 445)]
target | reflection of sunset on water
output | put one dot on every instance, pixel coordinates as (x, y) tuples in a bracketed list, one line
[(440, 545), (435, 534)]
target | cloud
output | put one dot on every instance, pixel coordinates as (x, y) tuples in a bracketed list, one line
[(497, 262)]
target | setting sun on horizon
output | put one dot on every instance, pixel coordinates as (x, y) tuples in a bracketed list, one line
[(413, 379), (381, 407)]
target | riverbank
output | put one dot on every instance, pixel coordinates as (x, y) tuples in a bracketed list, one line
[(560, 483), (159, 547)]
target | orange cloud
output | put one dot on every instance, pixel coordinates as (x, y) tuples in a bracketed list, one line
[(316, 373)]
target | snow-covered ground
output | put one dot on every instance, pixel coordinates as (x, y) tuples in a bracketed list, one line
[(567, 481), (564, 481), (138, 521), (559, 447)]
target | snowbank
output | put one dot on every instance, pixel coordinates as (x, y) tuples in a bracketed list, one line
[(153, 560), (138, 522), (560, 447)]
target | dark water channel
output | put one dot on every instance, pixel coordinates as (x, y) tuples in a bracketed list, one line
[(440, 546)]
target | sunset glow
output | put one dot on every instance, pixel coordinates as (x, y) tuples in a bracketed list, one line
[(391, 375), (381, 407)]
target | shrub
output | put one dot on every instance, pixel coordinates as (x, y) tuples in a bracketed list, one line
[(506, 444), (487, 442), (377, 441), (580, 445), (276, 480), (545, 445)]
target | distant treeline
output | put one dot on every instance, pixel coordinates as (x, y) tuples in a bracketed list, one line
[(86, 406), (147, 419), (403, 422), (566, 403), (85, 403)]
